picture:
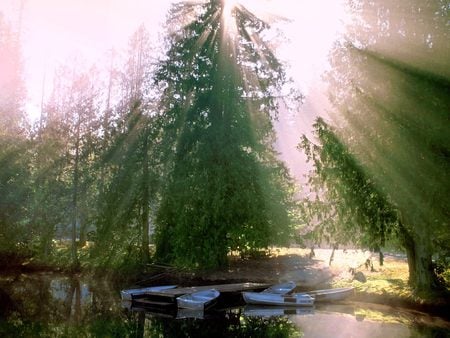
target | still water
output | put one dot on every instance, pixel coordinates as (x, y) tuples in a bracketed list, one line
[(51, 305)]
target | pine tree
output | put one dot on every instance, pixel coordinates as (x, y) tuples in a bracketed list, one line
[(225, 189)]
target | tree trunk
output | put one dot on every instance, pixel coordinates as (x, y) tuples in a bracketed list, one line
[(421, 273), (335, 246), (47, 240), (425, 280), (145, 200), (83, 225), (74, 255), (106, 131), (407, 242)]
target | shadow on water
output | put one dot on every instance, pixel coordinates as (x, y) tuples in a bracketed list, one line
[(49, 305)]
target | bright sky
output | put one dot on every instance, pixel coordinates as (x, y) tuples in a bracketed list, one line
[(53, 31), (56, 30)]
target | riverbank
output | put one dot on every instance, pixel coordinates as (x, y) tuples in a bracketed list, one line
[(386, 284)]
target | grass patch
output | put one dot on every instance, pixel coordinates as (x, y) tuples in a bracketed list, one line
[(388, 284), (389, 280)]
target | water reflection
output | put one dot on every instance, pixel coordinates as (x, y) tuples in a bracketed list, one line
[(46, 305), (52, 305)]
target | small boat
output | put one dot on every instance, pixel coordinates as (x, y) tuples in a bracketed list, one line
[(281, 289), (130, 294), (264, 298), (198, 300), (329, 295)]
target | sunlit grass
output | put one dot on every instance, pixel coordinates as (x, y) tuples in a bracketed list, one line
[(389, 280), (388, 283)]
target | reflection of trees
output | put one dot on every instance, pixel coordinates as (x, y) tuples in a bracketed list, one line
[(229, 324), (390, 89), (49, 306)]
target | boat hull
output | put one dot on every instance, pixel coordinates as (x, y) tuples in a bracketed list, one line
[(263, 298), (130, 294), (198, 300), (331, 295)]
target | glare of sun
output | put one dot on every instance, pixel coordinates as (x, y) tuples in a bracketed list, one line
[(228, 20), (228, 5)]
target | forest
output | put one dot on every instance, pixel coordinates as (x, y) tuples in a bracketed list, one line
[(167, 153)]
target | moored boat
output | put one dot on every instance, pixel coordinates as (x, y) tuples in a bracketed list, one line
[(198, 300), (330, 295), (130, 294), (264, 298), (281, 289)]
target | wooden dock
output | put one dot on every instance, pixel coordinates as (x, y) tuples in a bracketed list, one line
[(168, 297)]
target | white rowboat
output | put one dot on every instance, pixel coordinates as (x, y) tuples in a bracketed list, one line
[(198, 300), (130, 294), (281, 289), (264, 298), (330, 295)]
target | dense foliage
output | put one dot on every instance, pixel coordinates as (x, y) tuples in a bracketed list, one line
[(225, 188), (184, 140)]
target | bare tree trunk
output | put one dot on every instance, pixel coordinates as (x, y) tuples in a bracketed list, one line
[(335, 246)]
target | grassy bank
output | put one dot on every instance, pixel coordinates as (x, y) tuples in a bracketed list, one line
[(388, 285)]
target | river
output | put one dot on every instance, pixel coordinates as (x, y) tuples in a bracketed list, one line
[(55, 305)]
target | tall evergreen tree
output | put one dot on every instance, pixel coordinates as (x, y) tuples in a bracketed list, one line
[(225, 189)]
